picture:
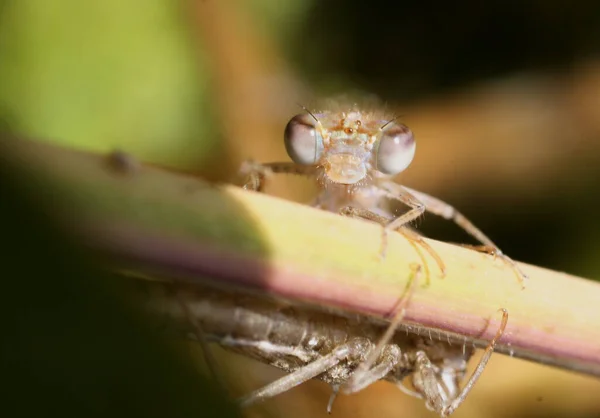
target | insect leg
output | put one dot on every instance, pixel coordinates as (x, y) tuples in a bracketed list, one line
[(425, 381), (362, 376), (446, 211), (447, 410), (389, 358), (417, 209), (413, 239), (385, 362), (412, 236), (352, 350), (408, 391), (332, 398), (257, 173)]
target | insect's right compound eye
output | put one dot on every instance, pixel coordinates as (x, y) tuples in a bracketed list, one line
[(396, 149), (303, 142)]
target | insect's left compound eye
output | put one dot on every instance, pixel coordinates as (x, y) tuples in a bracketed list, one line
[(303, 142), (396, 149)]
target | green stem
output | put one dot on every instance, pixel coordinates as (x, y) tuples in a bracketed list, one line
[(156, 221)]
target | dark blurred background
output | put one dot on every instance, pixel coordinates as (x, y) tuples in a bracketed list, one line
[(503, 97)]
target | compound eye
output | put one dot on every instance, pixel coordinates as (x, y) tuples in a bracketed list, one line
[(303, 143), (396, 149)]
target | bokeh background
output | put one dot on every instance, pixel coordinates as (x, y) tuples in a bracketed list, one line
[(503, 97)]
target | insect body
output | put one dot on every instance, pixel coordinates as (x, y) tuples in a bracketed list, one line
[(353, 155), (308, 342)]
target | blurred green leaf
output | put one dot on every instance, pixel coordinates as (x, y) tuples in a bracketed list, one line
[(106, 75)]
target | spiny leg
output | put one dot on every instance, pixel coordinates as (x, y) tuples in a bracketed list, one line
[(449, 409), (416, 238), (354, 349), (417, 209), (257, 173), (362, 376), (446, 211), (413, 238)]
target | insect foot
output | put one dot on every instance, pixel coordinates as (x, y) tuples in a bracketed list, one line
[(429, 380)]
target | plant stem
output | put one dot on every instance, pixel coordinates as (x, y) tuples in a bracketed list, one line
[(165, 223)]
